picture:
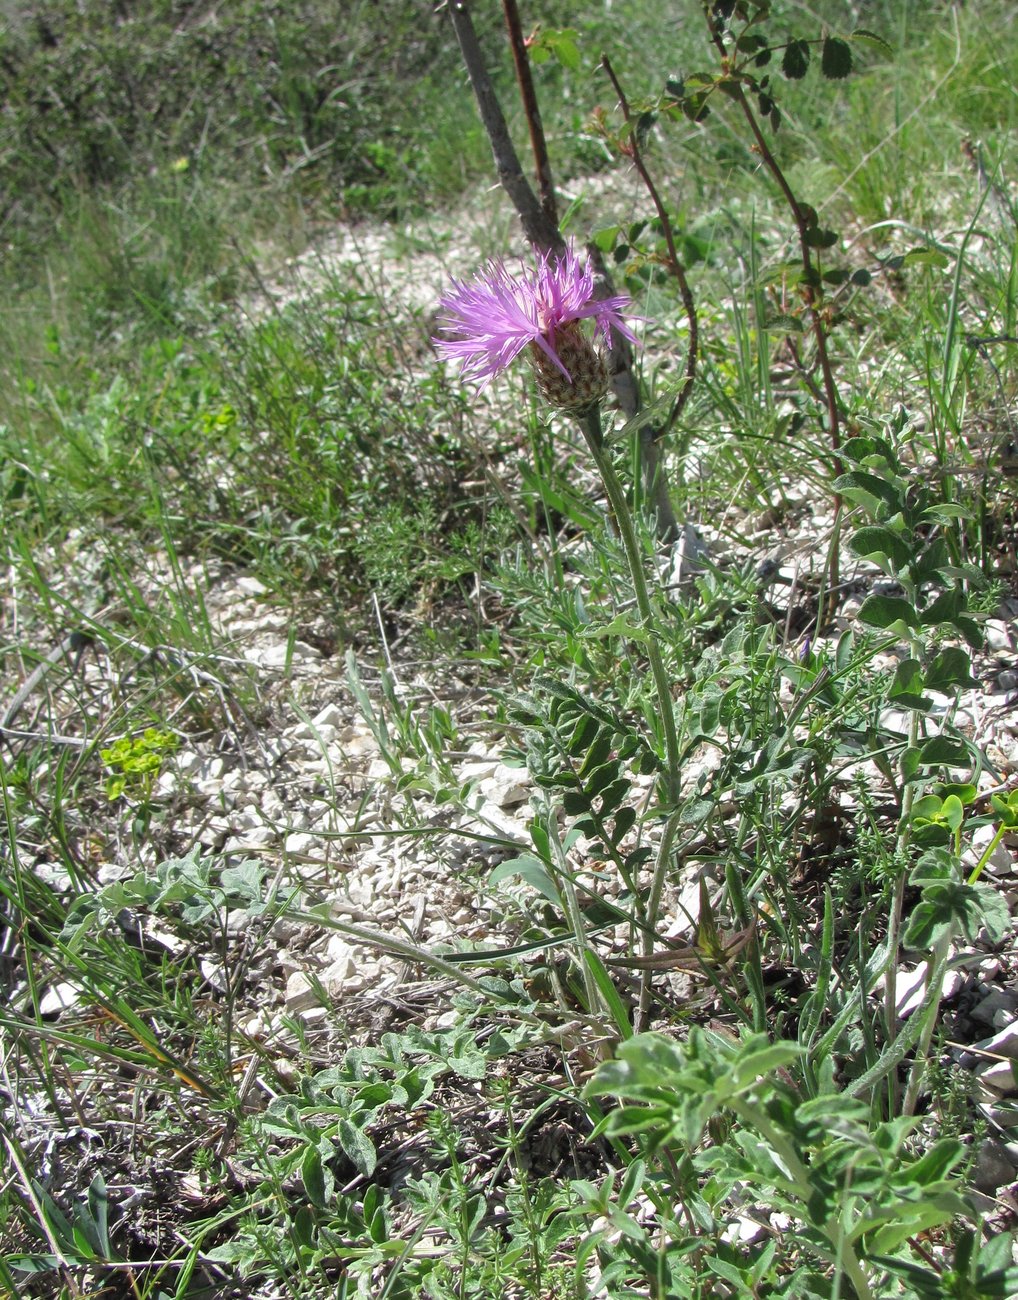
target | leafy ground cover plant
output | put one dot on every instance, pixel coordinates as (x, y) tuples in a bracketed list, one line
[(644, 1014)]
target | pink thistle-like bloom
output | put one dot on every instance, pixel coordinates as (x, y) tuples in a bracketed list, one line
[(494, 318)]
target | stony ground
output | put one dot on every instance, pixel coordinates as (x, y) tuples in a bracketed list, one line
[(290, 774)]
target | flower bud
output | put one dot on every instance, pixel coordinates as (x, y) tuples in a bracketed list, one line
[(586, 366)]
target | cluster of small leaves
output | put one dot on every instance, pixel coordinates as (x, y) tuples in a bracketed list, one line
[(189, 890), (559, 43), (748, 49), (907, 541), (855, 1194), (950, 903), (336, 1116), (642, 246), (136, 762), (335, 1107), (584, 752), (950, 899)]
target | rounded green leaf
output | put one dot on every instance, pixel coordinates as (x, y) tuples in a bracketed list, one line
[(836, 58), (795, 62), (891, 612), (883, 546)]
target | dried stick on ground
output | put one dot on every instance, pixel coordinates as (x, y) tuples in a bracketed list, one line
[(543, 233)]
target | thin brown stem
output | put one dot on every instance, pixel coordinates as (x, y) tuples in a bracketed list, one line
[(541, 230), (674, 262), (538, 143), (812, 295)]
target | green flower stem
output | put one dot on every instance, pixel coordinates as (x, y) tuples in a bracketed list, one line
[(908, 795), (934, 990), (991, 848), (590, 423), (595, 1003)]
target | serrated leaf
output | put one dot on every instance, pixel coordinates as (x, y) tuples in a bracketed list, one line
[(867, 37), (567, 53), (795, 61), (836, 58)]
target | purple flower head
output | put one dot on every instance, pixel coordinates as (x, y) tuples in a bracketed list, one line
[(492, 319)]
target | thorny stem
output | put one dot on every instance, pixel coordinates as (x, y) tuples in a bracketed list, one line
[(812, 296), (675, 265), (538, 143), (590, 422)]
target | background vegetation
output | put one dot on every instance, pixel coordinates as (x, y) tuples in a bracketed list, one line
[(165, 408)]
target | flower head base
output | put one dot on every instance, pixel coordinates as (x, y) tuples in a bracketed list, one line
[(493, 319)]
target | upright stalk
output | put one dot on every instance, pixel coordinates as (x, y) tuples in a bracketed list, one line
[(590, 423), (812, 290), (908, 795)]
